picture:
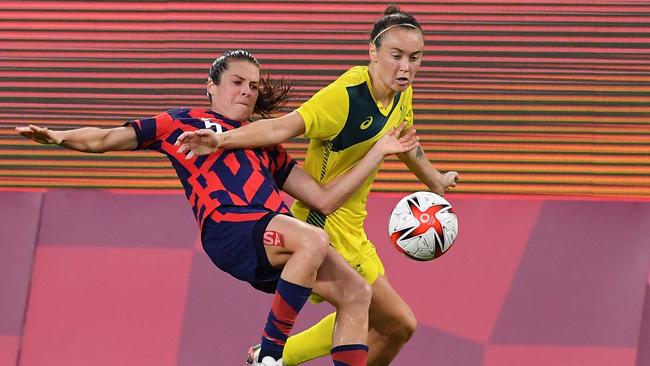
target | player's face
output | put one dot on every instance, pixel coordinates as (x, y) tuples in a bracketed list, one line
[(236, 94), (398, 58)]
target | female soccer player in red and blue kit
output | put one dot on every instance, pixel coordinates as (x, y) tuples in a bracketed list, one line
[(342, 121), (246, 228)]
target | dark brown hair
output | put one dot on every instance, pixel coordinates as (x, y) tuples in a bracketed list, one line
[(273, 94), (393, 16)]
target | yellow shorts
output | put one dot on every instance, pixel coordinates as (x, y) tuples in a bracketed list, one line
[(365, 261)]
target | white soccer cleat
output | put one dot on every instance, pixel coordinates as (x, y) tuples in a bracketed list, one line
[(253, 354), (269, 361)]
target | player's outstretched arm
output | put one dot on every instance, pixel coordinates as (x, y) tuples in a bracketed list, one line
[(419, 164), (86, 139), (329, 197), (265, 132)]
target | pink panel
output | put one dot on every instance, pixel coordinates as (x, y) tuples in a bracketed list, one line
[(225, 316), (105, 306), (9, 349), (118, 303), (19, 220), (430, 346), (95, 217), (643, 357), (582, 279), (558, 356), (463, 291)]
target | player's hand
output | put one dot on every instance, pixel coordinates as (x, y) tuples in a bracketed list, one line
[(391, 143), (42, 135), (450, 179), (199, 142)]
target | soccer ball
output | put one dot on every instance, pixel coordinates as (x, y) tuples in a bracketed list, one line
[(423, 226)]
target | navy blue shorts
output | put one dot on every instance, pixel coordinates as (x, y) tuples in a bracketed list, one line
[(237, 249)]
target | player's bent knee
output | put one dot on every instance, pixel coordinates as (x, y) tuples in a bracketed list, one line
[(314, 244), (363, 294), (357, 291), (321, 240), (411, 326), (405, 329), (397, 330)]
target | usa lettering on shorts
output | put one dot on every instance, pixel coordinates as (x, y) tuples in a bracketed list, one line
[(272, 238)]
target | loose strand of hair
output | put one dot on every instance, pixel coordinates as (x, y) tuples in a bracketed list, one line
[(273, 95)]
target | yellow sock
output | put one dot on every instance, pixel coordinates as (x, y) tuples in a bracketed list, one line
[(310, 343)]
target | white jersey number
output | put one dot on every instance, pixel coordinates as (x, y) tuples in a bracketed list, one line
[(209, 124)]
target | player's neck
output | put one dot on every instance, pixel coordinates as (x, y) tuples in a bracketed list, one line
[(380, 91), (215, 109)]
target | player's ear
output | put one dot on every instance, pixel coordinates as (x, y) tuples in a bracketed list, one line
[(209, 85), (372, 52)]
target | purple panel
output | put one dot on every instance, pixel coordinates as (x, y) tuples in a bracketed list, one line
[(77, 217), (224, 316), (643, 351), (431, 347), (461, 292), (19, 215), (582, 279)]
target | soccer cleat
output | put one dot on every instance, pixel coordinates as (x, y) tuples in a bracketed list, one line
[(253, 354), (269, 361)]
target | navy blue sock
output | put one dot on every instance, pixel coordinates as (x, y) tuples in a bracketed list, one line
[(287, 303)]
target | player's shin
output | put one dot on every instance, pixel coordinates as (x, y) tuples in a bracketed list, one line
[(287, 303)]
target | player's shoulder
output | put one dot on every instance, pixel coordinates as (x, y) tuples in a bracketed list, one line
[(193, 116), (186, 112), (354, 76), (338, 88), (176, 110)]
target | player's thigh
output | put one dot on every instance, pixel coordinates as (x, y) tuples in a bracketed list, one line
[(294, 235), (388, 311), (338, 282)]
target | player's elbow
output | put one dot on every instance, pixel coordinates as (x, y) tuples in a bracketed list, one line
[(278, 135), (121, 138), (323, 206), (325, 202), (331, 199), (326, 209), (83, 146), (96, 147)]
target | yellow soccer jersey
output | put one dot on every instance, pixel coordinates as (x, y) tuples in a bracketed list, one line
[(343, 121)]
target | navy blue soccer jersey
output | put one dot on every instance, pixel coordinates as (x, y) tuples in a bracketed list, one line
[(229, 185)]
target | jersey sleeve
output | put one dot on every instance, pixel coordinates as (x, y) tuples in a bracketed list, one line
[(281, 164), (325, 113), (150, 131)]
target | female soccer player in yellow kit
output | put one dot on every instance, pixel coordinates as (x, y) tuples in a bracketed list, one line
[(342, 121)]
